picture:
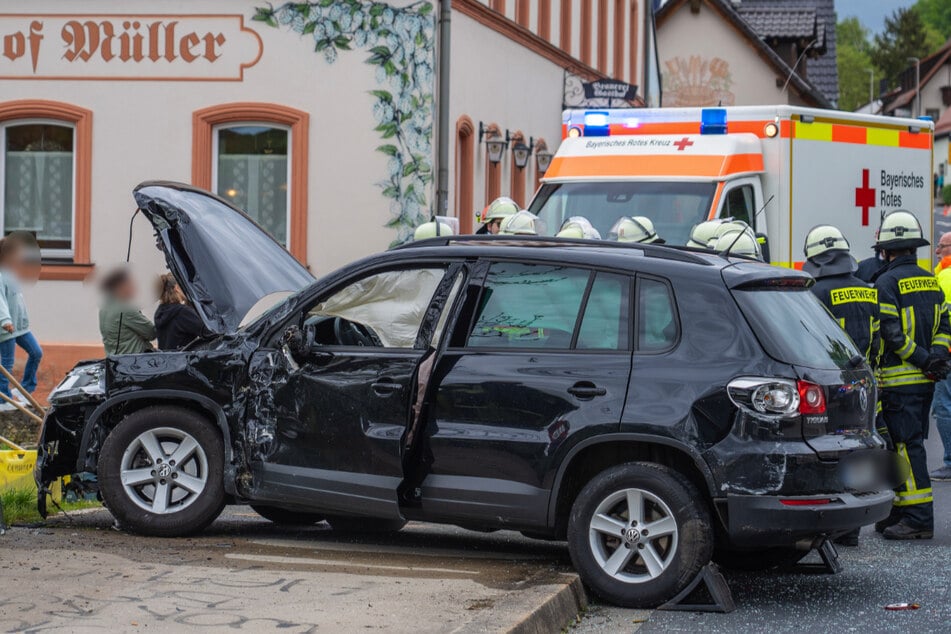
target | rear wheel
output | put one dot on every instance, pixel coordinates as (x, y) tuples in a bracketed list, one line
[(161, 472), (638, 534), (287, 517), (753, 560)]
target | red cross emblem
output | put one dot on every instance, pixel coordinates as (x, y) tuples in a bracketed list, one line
[(865, 197), (683, 144)]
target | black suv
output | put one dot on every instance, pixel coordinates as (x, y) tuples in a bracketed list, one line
[(654, 406)]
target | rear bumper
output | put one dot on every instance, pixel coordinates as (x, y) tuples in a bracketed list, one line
[(763, 520)]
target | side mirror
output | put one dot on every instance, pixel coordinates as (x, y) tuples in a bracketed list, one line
[(763, 246), (301, 345)]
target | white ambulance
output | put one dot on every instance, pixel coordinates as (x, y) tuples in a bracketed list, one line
[(782, 169)]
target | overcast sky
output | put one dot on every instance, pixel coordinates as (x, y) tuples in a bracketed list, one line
[(871, 12)]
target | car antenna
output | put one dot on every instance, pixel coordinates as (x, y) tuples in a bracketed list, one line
[(128, 257), (726, 252)]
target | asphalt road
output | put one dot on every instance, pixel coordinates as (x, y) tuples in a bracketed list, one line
[(876, 574)]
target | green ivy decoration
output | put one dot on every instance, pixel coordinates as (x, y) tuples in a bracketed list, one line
[(401, 43)]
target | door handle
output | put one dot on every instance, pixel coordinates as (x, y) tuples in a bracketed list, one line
[(586, 390), (386, 385)]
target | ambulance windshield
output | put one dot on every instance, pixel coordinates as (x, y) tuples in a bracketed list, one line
[(674, 207)]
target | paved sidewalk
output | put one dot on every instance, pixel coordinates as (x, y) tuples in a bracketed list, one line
[(245, 574)]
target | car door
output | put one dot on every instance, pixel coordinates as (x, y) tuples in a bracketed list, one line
[(327, 418), (541, 355)]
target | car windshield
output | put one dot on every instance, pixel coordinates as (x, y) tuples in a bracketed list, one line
[(794, 327), (673, 207)]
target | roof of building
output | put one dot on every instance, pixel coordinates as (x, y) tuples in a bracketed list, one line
[(775, 22), (942, 126), (805, 87), (929, 67), (822, 71)]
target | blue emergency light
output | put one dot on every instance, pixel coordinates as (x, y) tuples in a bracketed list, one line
[(713, 121), (597, 123)]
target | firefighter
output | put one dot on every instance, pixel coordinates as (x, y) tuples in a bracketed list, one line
[(852, 302), (432, 229), (523, 223), (638, 229), (702, 233), (738, 242), (578, 227), (915, 336), (495, 212)]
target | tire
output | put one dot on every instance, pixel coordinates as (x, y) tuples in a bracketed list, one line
[(287, 517), (353, 524), (668, 558), (754, 560), (193, 484)]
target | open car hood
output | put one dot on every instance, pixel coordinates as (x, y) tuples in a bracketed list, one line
[(223, 260)]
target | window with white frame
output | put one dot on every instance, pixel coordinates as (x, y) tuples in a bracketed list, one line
[(37, 181), (250, 169)]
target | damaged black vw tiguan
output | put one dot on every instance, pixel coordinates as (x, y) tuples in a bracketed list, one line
[(653, 406)]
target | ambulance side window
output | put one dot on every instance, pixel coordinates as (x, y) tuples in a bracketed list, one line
[(739, 204)]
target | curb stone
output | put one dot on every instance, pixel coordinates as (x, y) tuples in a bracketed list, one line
[(540, 609)]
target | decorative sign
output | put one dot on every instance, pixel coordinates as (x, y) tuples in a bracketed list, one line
[(127, 47), (609, 89)]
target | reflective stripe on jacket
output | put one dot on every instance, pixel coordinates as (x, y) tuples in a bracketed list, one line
[(914, 323)]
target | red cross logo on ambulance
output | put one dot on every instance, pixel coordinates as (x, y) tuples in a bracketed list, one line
[(865, 197)]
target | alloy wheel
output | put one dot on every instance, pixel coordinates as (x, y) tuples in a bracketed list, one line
[(633, 535), (164, 470)]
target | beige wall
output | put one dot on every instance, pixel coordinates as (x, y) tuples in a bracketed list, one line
[(704, 61)]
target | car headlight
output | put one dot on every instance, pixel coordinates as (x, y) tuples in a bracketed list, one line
[(84, 382)]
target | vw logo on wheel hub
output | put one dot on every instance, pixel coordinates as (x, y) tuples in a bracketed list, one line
[(164, 470), (632, 535)]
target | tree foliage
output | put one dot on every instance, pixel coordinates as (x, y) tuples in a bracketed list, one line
[(905, 35), (854, 62), (937, 15)]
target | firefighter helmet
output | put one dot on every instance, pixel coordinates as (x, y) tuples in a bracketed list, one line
[(702, 233), (635, 229), (500, 208), (822, 238), (738, 242), (578, 227), (432, 229), (522, 223), (900, 230)]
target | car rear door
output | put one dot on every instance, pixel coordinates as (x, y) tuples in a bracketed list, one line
[(540, 355), (326, 425)]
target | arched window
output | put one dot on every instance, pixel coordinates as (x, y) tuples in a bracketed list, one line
[(465, 172), (517, 184), (540, 146), (255, 155), (45, 181)]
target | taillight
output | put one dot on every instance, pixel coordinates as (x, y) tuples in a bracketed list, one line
[(812, 400), (765, 396), (805, 502)]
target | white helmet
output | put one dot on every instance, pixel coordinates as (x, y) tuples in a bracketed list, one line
[(900, 230), (702, 233), (500, 208), (432, 229), (738, 242), (578, 227), (635, 229), (523, 223), (823, 238)]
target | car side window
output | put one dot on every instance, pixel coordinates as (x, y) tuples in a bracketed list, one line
[(657, 326), (739, 204), (528, 306), (380, 310), (607, 314)]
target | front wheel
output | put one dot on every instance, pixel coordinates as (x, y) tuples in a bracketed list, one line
[(161, 472), (638, 533)]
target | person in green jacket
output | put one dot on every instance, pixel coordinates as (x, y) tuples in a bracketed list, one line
[(17, 251), (124, 329), (941, 407)]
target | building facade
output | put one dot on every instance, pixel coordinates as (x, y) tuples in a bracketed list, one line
[(317, 118)]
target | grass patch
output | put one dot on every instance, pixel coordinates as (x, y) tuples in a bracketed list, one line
[(19, 506)]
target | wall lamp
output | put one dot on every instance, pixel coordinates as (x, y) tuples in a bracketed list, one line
[(495, 143)]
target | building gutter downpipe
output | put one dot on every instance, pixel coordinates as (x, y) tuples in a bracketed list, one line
[(442, 121)]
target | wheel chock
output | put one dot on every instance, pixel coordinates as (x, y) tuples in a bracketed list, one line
[(721, 598)]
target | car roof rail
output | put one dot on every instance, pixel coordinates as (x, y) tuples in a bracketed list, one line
[(666, 251)]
